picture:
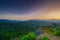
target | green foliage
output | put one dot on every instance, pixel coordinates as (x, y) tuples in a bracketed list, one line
[(44, 38), (54, 29), (48, 29), (10, 30), (57, 32), (29, 36)]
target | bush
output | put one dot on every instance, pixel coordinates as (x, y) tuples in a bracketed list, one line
[(44, 38), (29, 36), (57, 32)]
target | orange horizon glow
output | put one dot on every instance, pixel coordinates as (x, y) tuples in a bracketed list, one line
[(48, 12)]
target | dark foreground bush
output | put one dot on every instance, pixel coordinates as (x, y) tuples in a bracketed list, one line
[(29, 36), (44, 38)]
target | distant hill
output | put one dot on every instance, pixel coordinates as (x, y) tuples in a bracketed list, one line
[(28, 22), (32, 22), (53, 21), (38, 22), (6, 20)]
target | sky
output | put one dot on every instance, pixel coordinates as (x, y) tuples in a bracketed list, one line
[(29, 9)]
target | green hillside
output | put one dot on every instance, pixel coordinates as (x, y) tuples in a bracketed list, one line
[(25, 30)]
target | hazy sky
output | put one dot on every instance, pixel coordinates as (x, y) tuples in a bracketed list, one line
[(29, 9)]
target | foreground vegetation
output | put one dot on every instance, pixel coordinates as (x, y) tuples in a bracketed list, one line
[(24, 31), (11, 30), (53, 29)]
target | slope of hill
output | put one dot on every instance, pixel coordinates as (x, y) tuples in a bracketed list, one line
[(16, 28)]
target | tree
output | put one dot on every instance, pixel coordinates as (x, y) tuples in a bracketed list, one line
[(29, 36), (57, 32), (44, 38)]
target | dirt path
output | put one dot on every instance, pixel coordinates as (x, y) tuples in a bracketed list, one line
[(51, 37)]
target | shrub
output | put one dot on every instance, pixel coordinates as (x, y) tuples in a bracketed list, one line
[(29, 36), (44, 38), (57, 32)]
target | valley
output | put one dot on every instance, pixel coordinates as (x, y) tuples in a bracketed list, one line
[(29, 30)]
